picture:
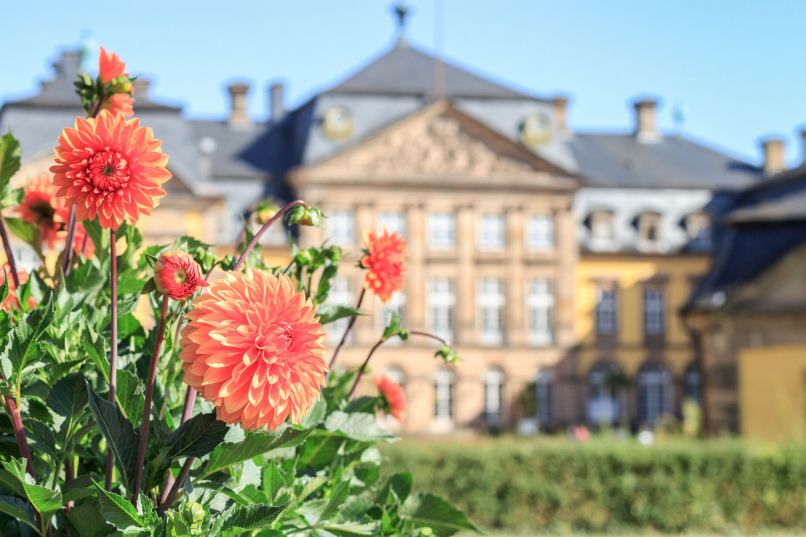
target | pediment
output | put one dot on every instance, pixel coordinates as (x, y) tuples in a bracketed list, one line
[(439, 141)]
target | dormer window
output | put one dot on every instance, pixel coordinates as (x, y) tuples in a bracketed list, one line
[(602, 230), (649, 231), (698, 230)]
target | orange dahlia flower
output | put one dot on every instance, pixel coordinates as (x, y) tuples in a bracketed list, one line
[(385, 261), (110, 66), (177, 275), (393, 396), (111, 168), (120, 103), (253, 347)]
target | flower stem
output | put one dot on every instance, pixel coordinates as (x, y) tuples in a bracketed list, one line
[(113, 356), (346, 333), (429, 335), (174, 490), (67, 255), (187, 410), (152, 375), (364, 366), (251, 246), (9, 253), (19, 433)]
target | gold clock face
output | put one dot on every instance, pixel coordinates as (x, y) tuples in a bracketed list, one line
[(337, 123), (536, 129)]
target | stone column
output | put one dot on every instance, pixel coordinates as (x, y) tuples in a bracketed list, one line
[(416, 283), (466, 329), (567, 254), (514, 318)]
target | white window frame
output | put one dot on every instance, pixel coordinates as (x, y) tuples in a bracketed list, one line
[(544, 385), (540, 233), (393, 222), (443, 396), (442, 306), (494, 380), (606, 310), (490, 301), (442, 230), (341, 227), (654, 308), (540, 303), (492, 233), (602, 234)]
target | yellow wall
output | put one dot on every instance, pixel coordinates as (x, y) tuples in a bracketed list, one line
[(772, 392), (630, 272)]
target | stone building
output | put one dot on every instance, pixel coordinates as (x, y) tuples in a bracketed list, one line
[(554, 260)]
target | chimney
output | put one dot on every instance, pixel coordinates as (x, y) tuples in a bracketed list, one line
[(276, 101), (141, 86), (646, 129), (774, 158), (560, 105), (238, 112)]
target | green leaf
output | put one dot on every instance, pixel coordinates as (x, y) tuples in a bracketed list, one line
[(130, 395), (255, 443), (359, 426), (68, 397), (329, 313), (117, 510), (430, 511), (252, 517), (401, 484), (26, 232), (4, 288), (9, 160), (43, 435), (119, 433), (18, 509), (42, 499), (347, 529), (198, 436), (320, 450), (87, 520), (21, 344)]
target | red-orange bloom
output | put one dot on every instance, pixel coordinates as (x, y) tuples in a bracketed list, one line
[(111, 168), (253, 347), (385, 261), (11, 300), (393, 395), (39, 206), (119, 103), (178, 275), (110, 66)]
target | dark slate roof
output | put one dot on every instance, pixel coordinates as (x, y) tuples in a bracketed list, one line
[(787, 208), (621, 160), (238, 152), (407, 70)]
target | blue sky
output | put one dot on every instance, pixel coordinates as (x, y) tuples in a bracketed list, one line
[(737, 66)]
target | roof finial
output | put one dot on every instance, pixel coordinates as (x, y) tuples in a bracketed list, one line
[(401, 11)]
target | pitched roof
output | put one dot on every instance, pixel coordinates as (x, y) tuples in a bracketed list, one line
[(406, 70), (621, 160)]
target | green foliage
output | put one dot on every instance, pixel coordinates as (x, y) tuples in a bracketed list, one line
[(556, 485), (9, 161)]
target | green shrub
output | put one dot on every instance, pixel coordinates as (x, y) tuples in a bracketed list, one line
[(606, 486)]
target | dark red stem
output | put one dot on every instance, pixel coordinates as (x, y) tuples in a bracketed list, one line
[(9, 253), (364, 366), (174, 490), (190, 400), (19, 433), (346, 333), (251, 246), (152, 376), (67, 256), (113, 356)]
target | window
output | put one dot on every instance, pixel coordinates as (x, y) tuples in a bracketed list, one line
[(393, 221), (607, 311), (540, 311), (540, 233), (602, 230), (692, 382), (493, 393), (397, 305), (443, 395), (397, 375), (698, 230), (491, 300), (340, 294), (649, 231), (543, 389), (605, 386), (492, 232), (654, 311), (654, 393), (441, 306), (341, 227), (441, 230)]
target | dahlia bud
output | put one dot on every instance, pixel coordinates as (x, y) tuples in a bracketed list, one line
[(264, 211), (177, 275)]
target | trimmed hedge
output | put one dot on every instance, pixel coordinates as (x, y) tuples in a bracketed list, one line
[(613, 486)]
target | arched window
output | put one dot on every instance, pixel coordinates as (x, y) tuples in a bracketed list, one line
[(493, 395), (443, 395), (655, 391), (605, 386), (692, 382), (543, 394)]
